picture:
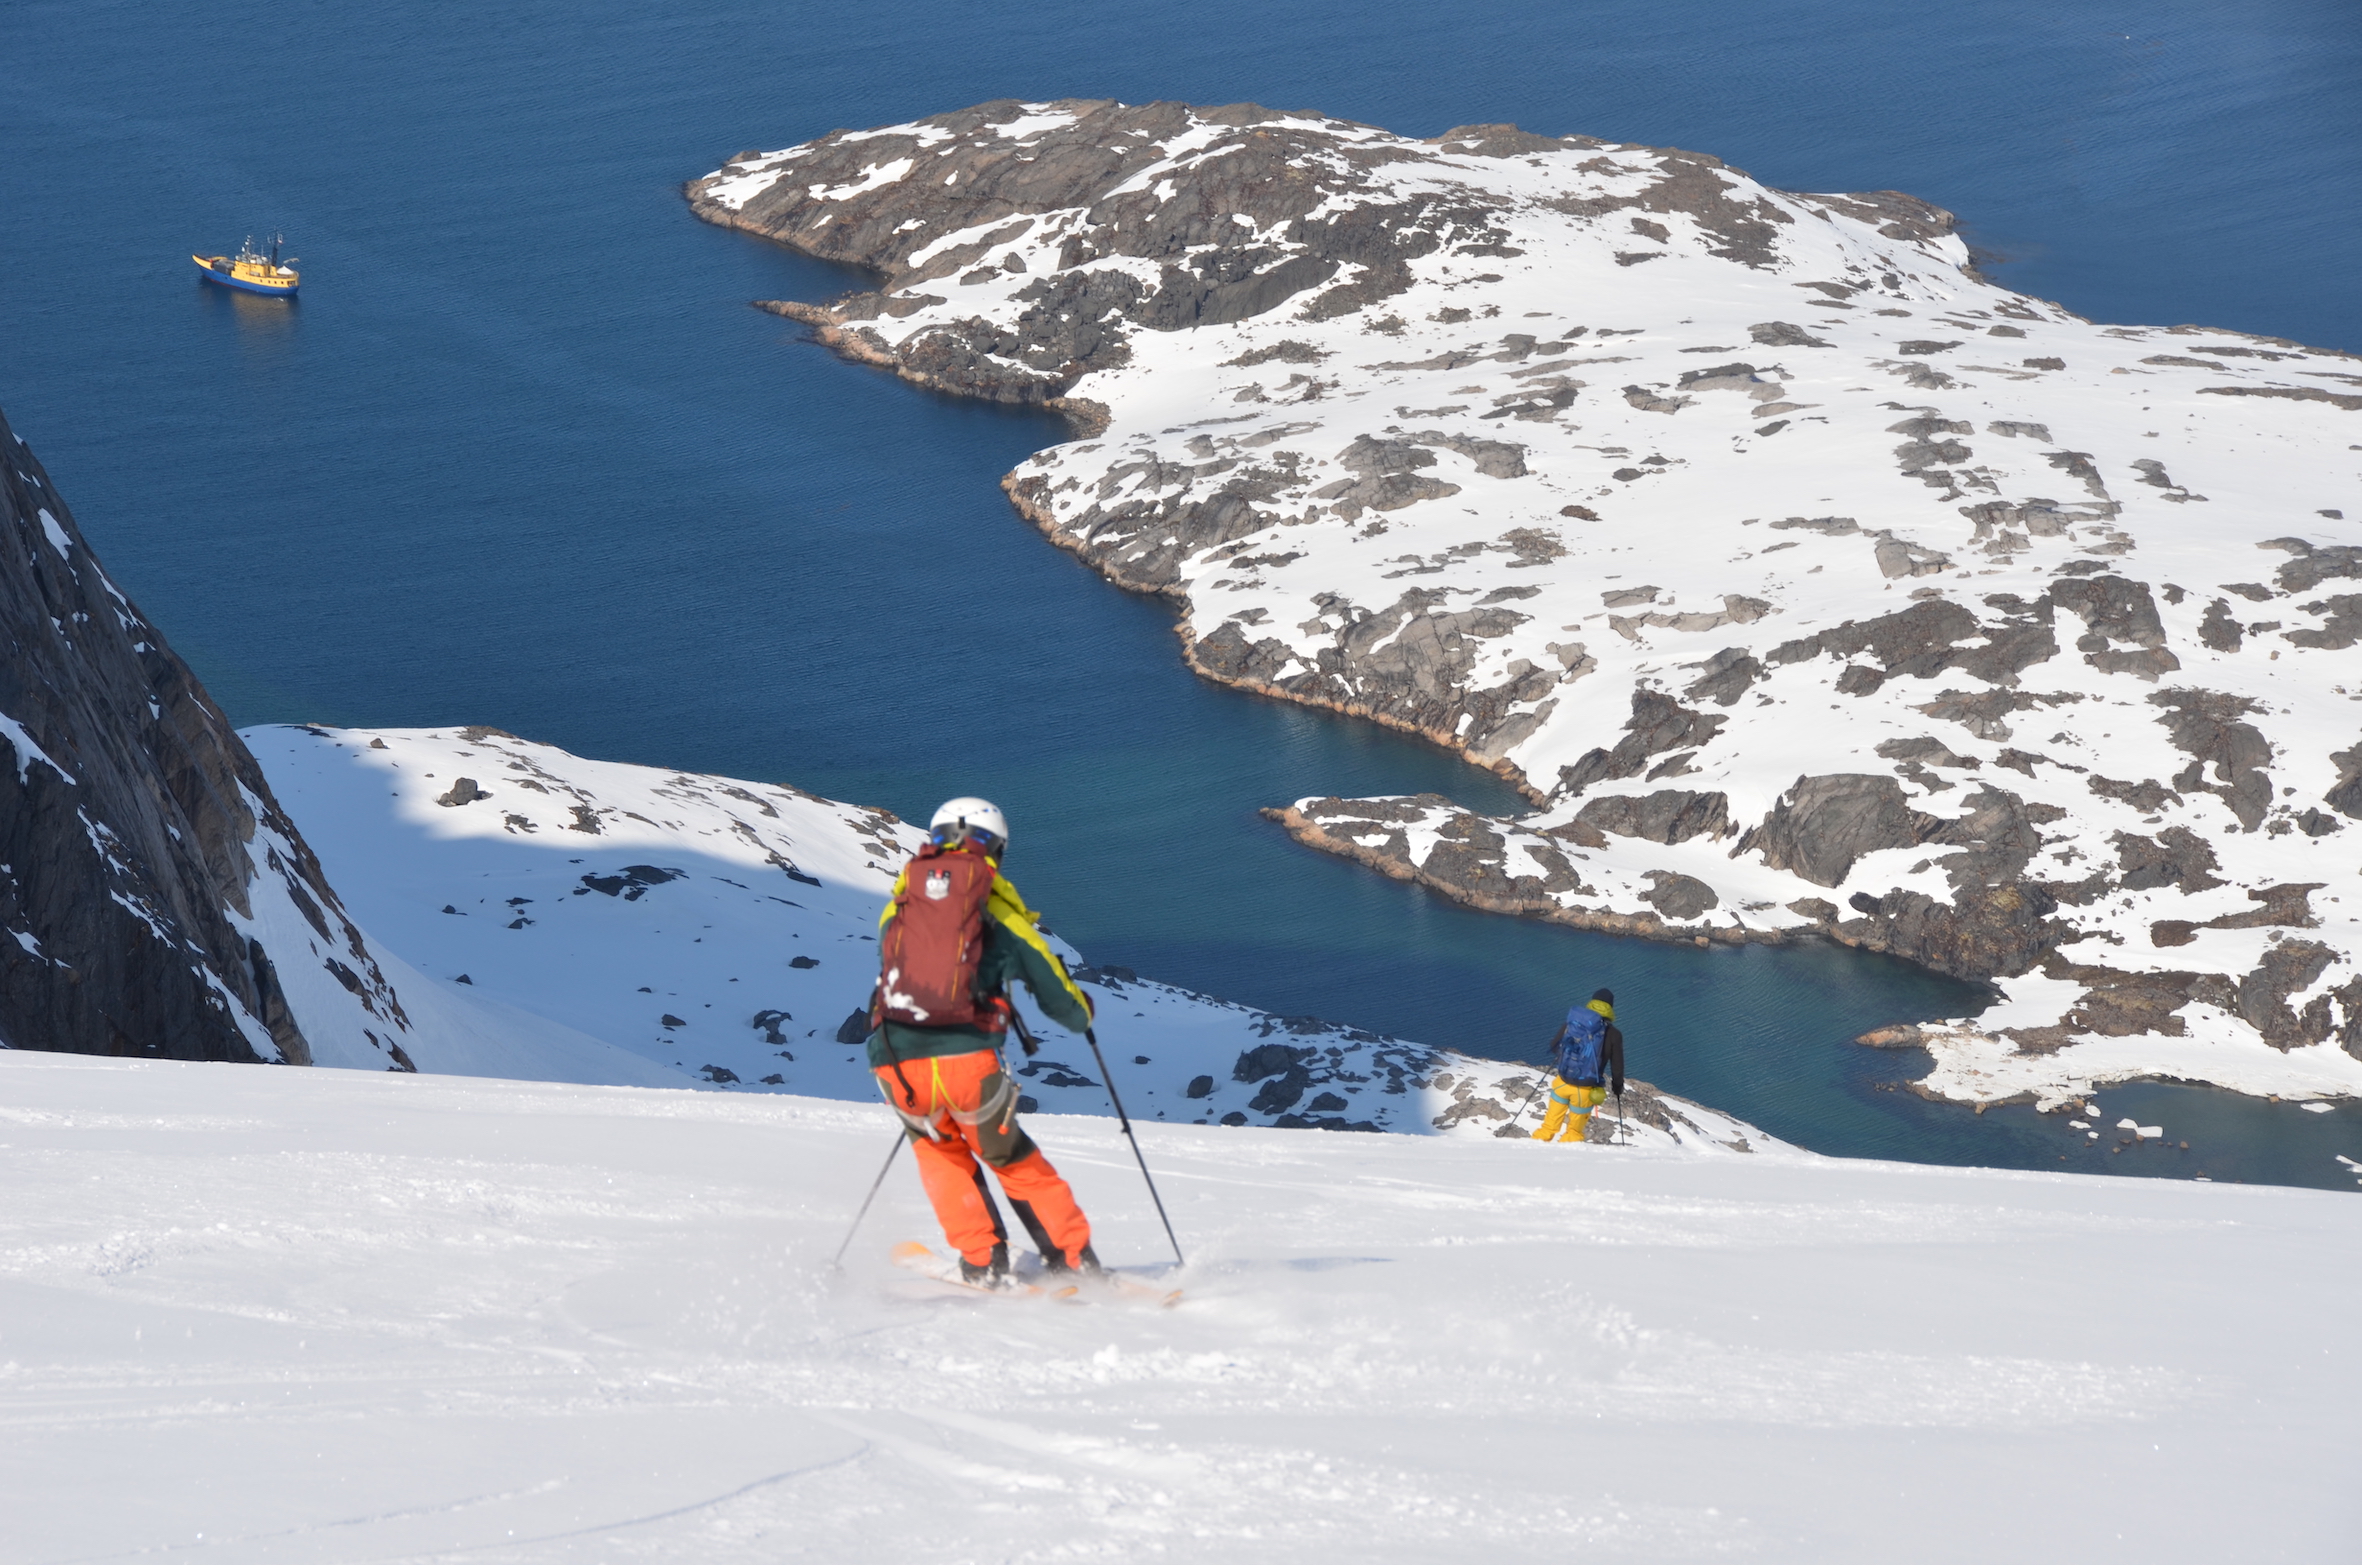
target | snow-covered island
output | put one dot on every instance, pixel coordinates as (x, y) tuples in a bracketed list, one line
[(1810, 584)]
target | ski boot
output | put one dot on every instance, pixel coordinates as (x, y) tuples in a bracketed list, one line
[(1086, 1263), (991, 1274)]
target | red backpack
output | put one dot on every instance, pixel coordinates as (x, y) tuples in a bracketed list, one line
[(928, 956)]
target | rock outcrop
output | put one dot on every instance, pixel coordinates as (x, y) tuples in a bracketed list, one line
[(146, 872), (1493, 437)]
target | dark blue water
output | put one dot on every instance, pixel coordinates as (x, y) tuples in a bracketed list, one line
[(522, 456)]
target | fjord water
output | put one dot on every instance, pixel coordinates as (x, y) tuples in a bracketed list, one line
[(521, 455)]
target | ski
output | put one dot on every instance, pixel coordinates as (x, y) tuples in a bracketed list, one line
[(1131, 1290), (1109, 1287), (913, 1256)]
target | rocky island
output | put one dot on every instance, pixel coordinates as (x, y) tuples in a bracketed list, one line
[(1808, 583)]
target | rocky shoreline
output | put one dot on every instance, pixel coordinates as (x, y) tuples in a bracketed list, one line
[(1808, 585)]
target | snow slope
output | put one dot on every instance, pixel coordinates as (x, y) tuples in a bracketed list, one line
[(1811, 584), (574, 920), (340, 1316)]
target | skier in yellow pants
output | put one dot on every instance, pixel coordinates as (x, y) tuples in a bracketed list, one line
[(1586, 1049)]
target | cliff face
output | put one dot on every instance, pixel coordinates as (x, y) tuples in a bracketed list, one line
[(140, 847), (1810, 585)]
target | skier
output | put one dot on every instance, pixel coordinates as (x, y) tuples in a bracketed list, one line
[(953, 935), (1586, 1046)]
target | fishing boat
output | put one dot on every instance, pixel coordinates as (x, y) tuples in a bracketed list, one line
[(252, 270)]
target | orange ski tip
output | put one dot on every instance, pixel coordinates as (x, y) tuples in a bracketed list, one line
[(909, 1250)]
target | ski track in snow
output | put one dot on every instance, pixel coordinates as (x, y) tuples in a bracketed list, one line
[(340, 1316), (720, 932), (1529, 478)]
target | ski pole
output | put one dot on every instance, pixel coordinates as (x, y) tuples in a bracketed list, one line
[(1620, 1138), (838, 1263), (1541, 1091), (1025, 1037), (1125, 1120)]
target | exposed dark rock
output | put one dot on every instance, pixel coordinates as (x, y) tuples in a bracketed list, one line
[(2147, 796), (2282, 907), (2292, 393), (129, 818), (1678, 896), (461, 791), (1287, 352), (1923, 641), (854, 1028), (2287, 968), (1726, 676), (2176, 857), (1987, 932), (632, 884), (1269, 1059), (2341, 624), (1997, 923), (1280, 1092), (1928, 752), (2117, 1004), (1823, 824), (2346, 796), (1199, 1087), (1387, 477), (2349, 1000), (1982, 714), (1659, 724), (2204, 725), (1667, 816), (2116, 610), (2219, 630), (1779, 334), (2313, 566)]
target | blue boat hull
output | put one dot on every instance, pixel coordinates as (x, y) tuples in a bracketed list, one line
[(227, 281)]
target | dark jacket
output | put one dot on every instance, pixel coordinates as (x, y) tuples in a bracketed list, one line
[(1611, 1057)]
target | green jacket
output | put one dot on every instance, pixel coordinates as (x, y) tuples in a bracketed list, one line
[(1013, 950)]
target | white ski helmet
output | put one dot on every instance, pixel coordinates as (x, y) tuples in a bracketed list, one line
[(958, 819)]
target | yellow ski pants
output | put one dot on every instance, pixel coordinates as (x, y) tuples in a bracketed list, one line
[(1572, 1106)]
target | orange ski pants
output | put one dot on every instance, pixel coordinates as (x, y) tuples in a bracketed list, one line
[(962, 1108)]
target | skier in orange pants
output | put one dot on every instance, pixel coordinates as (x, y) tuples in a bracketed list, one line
[(953, 936), (968, 1113)]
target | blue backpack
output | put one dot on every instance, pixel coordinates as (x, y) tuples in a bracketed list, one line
[(1580, 1051)]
